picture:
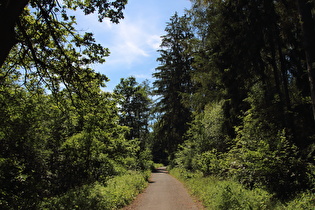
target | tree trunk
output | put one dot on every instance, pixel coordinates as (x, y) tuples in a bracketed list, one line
[(307, 23), (10, 11)]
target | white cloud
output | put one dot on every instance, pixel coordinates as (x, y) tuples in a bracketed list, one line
[(132, 41), (143, 76), (154, 42), (129, 41), (129, 46), (108, 24)]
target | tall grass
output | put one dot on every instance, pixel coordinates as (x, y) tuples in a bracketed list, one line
[(220, 194), (118, 192)]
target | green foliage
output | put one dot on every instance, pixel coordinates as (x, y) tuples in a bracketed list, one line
[(115, 193), (110, 9), (134, 112), (145, 160), (22, 152), (208, 129), (157, 165), (249, 94), (207, 142), (209, 163), (185, 156), (239, 66), (61, 140), (85, 159), (55, 145), (134, 106), (274, 166), (303, 201), (219, 194), (264, 154), (44, 31), (172, 81)]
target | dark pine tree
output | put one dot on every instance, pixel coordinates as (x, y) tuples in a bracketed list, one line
[(172, 81)]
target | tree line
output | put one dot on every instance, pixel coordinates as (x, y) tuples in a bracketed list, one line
[(235, 81), (60, 133), (233, 97)]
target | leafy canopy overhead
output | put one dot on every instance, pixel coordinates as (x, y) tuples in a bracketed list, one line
[(47, 48)]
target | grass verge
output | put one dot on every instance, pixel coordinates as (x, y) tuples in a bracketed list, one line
[(219, 194), (118, 192)]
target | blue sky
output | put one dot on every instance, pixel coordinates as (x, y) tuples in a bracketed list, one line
[(134, 42)]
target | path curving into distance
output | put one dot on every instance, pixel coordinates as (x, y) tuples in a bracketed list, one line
[(164, 193)]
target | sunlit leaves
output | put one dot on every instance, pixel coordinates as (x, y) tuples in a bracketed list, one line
[(104, 8), (51, 51)]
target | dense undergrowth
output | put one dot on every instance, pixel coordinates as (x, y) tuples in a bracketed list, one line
[(216, 193), (114, 194)]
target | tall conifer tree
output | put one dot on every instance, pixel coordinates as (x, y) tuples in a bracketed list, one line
[(173, 80)]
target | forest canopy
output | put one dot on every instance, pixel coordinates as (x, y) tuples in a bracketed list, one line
[(235, 99)]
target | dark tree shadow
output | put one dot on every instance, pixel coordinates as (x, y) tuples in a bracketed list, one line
[(160, 170)]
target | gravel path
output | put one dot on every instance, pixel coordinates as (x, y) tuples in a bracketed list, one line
[(164, 193)]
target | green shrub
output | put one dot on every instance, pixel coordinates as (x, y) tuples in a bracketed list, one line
[(118, 192), (185, 157), (218, 194), (209, 163), (158, 165), (207, 140), (145, 160), (265, 153), (227, 194), (303, 201), (208, 129), (269, 161)]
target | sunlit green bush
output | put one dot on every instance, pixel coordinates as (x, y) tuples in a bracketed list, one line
[(117, 192), (219, 194)]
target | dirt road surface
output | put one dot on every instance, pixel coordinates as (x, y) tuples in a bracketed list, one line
[(164, 193)]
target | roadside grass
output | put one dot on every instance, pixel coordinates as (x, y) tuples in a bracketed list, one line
[(303, 201), (219, 194), (116, 193)]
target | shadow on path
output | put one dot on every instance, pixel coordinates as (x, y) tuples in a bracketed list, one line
[(160, 170)]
